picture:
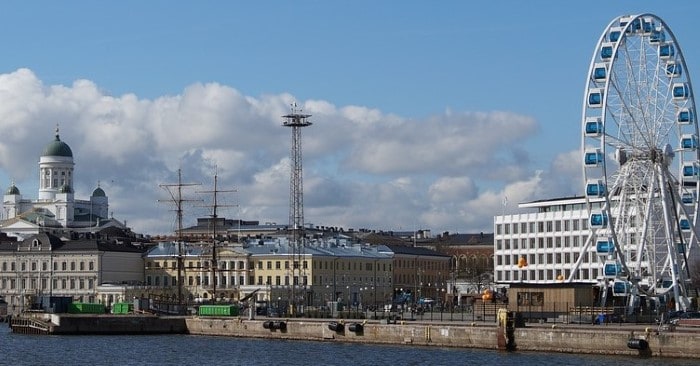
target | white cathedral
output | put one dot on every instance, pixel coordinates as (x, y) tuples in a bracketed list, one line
[(56, 210)]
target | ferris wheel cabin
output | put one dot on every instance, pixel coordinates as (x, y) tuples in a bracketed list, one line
[(673, 69), (666, 51), (606, 51), (689, 142), (685, 116), (690, 172), (594, 126), (612, 269), (600, 72), (595, 98), (681, 91), (688, 198), (593, 158), (595, 188), (605, 247), (599, 220)]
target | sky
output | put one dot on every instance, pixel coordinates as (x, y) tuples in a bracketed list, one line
[(426, 115)]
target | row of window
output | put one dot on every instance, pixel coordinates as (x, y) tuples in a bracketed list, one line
[(426, 265), (42, 284), (224, 265), (548, 226), (51, 176), (548, 275), (34, 266), (232, 281), (540, 242), (269, 264)]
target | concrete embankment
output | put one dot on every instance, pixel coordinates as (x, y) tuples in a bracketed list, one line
[(97, 324), (559, 338), (612, 340)]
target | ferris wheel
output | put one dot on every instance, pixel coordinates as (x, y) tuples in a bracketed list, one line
[(641, 162)]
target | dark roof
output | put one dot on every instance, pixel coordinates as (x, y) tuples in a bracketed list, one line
[(466, 239), (377, 239), (408, 250), (90, 244)]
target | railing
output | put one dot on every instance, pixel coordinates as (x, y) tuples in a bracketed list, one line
[(29, 326)]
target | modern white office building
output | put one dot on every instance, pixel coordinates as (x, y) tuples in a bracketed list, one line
[(544, 245)]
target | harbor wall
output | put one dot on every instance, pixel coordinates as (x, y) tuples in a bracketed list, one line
[(575, 339), (399, 333), (115, 324), (567, 338)]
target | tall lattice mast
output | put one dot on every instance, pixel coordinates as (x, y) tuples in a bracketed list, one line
[(296, 120)]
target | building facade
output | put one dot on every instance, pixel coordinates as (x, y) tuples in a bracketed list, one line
[(543, 246), (46, 265)]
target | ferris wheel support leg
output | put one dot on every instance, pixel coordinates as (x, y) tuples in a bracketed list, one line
[(584, 251)]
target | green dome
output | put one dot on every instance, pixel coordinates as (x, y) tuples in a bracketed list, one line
[(12, 190), (98, 192), (58, 148)]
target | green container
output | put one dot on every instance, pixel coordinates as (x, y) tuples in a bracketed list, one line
[(218, 310), (86, 308), (121, 308)]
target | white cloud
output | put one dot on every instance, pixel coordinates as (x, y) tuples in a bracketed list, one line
[(363, 168)]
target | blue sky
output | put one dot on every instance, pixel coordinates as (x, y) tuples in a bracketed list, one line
[(426, 114)]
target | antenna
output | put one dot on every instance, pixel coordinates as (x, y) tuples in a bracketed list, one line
[(213, 223), (175, 191), (296, 120)]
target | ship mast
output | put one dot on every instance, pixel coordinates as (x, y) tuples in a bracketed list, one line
[(214, 222), (175, 191)]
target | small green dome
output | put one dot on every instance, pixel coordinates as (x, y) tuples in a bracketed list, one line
[(12, 190), (57, 148), (66, 189), (98, 192)]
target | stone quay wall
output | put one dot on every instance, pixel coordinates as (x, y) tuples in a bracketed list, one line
[(547, 338), (115, 324)]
